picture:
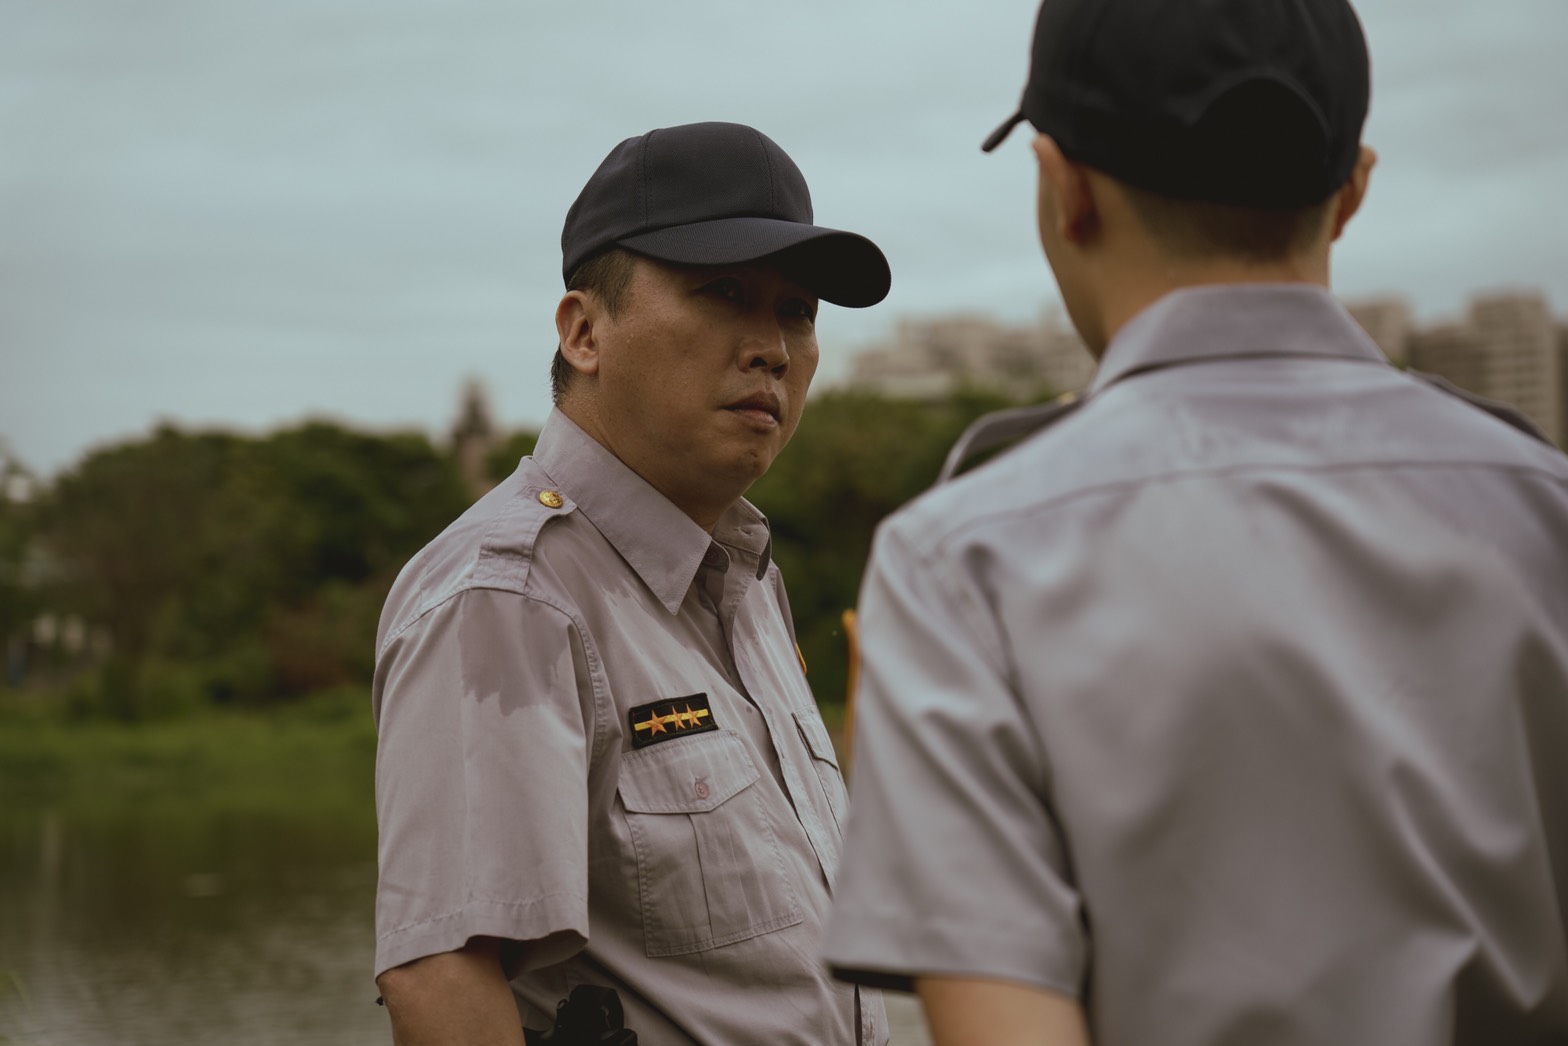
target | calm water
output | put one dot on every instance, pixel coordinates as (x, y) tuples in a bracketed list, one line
[(166, 923)]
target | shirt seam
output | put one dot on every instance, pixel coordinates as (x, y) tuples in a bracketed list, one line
[(941, 586), (595, 672), (940, 546), (590, 653), (436, 602), (1071, 948), (470, 902), (471, 578)]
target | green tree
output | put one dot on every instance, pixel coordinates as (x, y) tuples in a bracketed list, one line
[(231, 569)]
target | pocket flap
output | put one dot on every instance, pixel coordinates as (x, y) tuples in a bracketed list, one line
[(688, 775), (816, 737)]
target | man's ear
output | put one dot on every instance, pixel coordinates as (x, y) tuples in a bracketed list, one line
[(1354, 190), (575, 317), (1066, 198)]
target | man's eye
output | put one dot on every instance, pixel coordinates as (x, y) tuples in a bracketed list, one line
[(801, 308), (728, 288)]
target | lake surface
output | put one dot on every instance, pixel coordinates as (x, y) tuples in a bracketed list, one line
[(167, 922)]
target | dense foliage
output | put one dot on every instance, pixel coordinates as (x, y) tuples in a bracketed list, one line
[(224, 570)]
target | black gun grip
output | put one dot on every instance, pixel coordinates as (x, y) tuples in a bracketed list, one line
[(591, 1016)]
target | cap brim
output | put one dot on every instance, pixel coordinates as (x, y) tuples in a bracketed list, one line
[(841, 267), (1000, 134)]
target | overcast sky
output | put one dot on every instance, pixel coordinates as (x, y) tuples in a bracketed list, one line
[(242, 213)]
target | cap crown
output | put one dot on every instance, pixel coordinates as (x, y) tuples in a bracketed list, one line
[(1249, 102), (679, 176)]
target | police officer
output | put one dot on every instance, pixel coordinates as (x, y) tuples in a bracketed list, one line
[(599, 762), (1230, 708)]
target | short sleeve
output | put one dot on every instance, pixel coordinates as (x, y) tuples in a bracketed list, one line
[(952, 865), (484, 721)]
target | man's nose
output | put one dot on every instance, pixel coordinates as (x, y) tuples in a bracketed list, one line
[(765, 347)]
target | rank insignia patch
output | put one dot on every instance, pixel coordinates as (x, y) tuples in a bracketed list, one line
[(664, 720)]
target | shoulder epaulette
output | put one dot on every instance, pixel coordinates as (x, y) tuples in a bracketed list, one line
[(1002, 427), (1504, 412)]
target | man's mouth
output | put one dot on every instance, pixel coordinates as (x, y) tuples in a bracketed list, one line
[(757, 408)]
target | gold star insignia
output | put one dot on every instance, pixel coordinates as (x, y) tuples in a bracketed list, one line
[(662, 720)]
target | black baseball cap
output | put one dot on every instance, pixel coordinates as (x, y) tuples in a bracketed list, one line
[(1256, 103), (717, 194)]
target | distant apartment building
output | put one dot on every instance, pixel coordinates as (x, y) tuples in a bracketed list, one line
[(933, 358), (1507, 347)]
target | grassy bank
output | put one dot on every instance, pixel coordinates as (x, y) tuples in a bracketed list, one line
[(318, 748)]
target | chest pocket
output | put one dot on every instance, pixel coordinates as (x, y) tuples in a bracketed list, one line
[(825, 762), (709, 868)]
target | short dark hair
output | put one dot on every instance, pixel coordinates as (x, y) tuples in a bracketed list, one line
[(1198, 229), (606, 276)]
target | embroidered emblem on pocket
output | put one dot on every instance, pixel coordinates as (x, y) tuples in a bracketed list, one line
[(663, 720)]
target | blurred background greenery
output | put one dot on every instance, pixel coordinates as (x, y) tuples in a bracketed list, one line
[(187, 828), (189, 573)]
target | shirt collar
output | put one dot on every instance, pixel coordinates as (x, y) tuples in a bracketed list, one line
[(659, 541), (1197, 324)]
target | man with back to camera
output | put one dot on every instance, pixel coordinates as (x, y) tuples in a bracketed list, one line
[(1230, 709), (599, 762)]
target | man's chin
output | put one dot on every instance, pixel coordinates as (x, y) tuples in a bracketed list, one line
[(741, 471)]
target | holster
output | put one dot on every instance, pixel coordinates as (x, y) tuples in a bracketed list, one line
[(590, 1016)]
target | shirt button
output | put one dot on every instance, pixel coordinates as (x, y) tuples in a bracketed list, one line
[(551, 499), (701, 788)]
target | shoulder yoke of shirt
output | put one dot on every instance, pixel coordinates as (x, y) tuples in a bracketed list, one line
[(506, 544), (1002, 427), (1194, 325), (1237, 379), (491, 545)]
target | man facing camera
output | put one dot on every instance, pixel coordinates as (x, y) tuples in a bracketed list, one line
[(1230, 708), (600, 765)]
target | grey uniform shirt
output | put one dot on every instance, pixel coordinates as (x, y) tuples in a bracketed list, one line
[(1235, 704), (595, 736)]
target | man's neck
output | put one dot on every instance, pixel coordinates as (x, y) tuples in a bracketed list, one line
[(705, 508), (1136, 287)]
